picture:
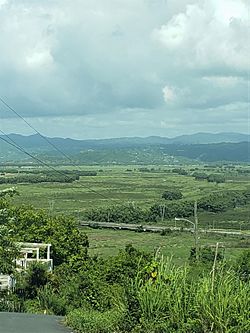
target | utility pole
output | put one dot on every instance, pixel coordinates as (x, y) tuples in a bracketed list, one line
[(51, 207), (162, 208), (196, 230)]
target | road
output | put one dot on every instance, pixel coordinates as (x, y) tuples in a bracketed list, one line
[(151, 228), (30, 323)]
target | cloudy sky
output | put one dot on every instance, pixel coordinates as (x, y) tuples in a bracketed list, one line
[(112, 68)]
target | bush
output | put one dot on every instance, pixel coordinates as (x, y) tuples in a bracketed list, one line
[(166, 231), (50, 302), (127, 213), (220, 202), (11, 303), (216, 178), (180, 171), (200, 175), (172, 195), (93, 321), (243, 266), (171, 209), (35, 278), (206, 255)]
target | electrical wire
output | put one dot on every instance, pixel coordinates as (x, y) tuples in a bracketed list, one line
[(37, 132), (48, 141), (20, 148), (44, 137)]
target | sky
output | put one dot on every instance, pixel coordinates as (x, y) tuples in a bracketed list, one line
[(112, 68)]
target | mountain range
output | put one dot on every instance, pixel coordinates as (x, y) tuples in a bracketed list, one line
[(200, 146), (197, 138)]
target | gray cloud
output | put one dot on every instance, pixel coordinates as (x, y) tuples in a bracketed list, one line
[(136, 67)]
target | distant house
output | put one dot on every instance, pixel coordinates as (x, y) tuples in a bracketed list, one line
[(34, 252), (29, 254)]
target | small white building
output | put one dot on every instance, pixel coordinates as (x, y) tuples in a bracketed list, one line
[(34, 252), (29, 253)]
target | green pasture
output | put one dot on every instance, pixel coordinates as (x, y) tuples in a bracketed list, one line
[(106, 242), (123, 184)]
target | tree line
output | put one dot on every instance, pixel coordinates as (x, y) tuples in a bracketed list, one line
[(47, 172), (168, 209), (43, 176)]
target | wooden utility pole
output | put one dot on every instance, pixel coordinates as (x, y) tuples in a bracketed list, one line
[(196, 231), (163, 209)]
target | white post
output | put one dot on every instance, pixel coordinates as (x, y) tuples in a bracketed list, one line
[(37, 254), (48, 252), (25, 260)]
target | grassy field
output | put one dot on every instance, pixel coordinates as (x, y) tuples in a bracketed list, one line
[(105, 242), (122, 184)]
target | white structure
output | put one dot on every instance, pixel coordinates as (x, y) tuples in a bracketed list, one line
[(31, 252), (6, 282)]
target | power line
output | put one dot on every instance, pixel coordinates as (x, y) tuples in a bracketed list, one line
[(34, 129), (20, 148), (41, 135), (48, 141)]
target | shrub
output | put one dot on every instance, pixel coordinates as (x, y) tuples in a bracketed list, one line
[(200, 175), (172, 195), (127, 213), (243, 266), (93, 321), (11, 303), (180, 171), (171, 209), (8, 250), (35, 277), (206, 255), (216, 178), (51, 302)]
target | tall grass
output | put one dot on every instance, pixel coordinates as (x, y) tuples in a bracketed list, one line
[(173, 299), (175, 302), (226, 307)]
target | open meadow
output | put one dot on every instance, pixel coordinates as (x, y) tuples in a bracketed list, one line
[(141, 186), (177, 245)]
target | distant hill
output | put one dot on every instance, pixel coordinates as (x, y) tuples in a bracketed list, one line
[(202, 138), (200, 147), (197, 138)]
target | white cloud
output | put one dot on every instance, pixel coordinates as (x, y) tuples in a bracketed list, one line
[(208, 34), (3, 2), (39, 59), (116, 66), (169, 94), (176, 96), (224, 81)]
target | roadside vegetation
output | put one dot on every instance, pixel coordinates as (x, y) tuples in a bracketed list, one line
[(103, 283)]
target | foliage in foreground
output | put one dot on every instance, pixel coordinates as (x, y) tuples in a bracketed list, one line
[(168, 299), (30, 225), (94, 321), (130, 292)]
